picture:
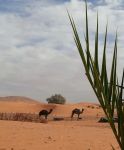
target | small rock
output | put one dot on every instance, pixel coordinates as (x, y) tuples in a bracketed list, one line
[(49, 137)]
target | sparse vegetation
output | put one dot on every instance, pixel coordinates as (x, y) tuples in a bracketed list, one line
[(57, 99), (26, 117), (104, 85)]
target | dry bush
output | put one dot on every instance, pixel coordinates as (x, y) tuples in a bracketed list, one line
[(90, 106), (28, 117)]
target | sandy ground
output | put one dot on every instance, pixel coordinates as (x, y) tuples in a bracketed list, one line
[(84, 134)]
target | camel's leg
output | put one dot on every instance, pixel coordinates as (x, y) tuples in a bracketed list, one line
[(45, 116), (78, 116)]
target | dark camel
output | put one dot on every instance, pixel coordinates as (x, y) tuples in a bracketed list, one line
[(77, 111), (45, 113)]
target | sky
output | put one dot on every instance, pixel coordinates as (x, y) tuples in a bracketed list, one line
[(38, 56)]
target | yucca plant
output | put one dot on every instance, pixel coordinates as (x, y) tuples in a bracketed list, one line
[(105, 86)]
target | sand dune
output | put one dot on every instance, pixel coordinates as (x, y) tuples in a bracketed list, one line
[(17, 99), (85, 134), (27, 105)]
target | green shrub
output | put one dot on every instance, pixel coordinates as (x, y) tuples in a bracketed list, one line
[(57, 99)]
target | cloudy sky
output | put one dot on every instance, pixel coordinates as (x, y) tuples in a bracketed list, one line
[(38, 57)]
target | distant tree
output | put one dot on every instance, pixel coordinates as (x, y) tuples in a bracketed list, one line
[(57, 99)]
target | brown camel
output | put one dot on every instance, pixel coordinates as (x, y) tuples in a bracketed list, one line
[(45, 113), (77, 111)]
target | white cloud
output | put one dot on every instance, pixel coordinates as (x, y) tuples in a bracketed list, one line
[(38, 54)]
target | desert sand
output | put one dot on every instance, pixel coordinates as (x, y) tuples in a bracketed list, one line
[(84, 134)]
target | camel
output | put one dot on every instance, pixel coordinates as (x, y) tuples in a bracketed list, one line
[(77, 111), (45, 113)]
